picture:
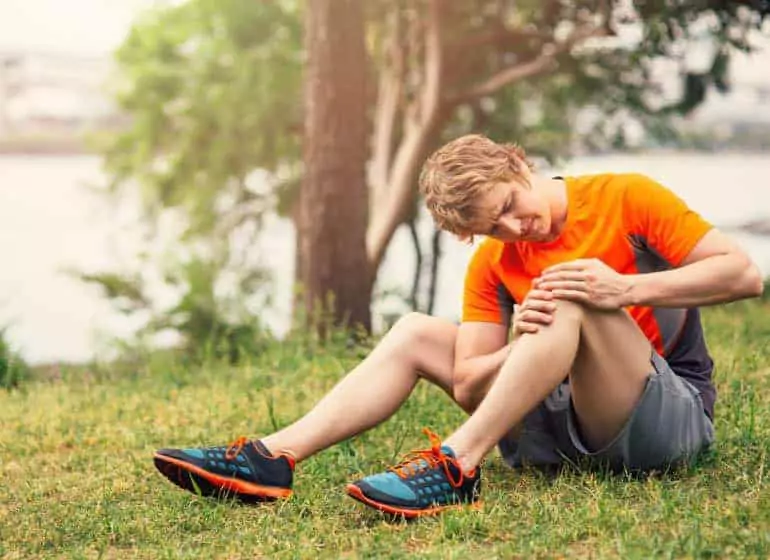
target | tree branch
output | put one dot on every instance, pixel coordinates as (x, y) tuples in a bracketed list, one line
[(542, 63), (431, 98), (501, 37), (419, 129), (415, 293), (389, 93)]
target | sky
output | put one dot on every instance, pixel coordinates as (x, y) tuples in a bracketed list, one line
[(84, 27), (96, 27)]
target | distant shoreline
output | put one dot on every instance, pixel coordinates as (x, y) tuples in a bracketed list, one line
[(79, 147), (49, 146)]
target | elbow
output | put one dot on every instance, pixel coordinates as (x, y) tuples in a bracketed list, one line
[(459, 385), (763, 284), (463, 392), (753, 284)]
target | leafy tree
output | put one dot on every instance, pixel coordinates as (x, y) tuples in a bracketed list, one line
[(522, 70), (212, 89), (333, 201)]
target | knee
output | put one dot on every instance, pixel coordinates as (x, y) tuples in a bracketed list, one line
[(571, 310), (465, 397), (409, 336), (412, 327)]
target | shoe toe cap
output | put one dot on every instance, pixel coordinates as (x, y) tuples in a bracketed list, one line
[(186, 455), (387, 488)]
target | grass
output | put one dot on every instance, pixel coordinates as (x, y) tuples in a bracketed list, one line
[(77, 481)]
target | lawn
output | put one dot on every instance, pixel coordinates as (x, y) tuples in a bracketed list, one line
[(77, 480)]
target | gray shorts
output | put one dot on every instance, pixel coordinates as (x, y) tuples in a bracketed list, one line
[(668, 426)]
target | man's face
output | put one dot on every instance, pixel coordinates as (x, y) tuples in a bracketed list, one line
[(516, 213)]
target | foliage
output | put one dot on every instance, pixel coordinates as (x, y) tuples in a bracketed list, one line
[(78, 479), (211, 88), (212, 92), (13, 370), (204, 323), (618, 78)]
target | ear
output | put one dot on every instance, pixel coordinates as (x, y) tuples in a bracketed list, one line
[(526, 176)]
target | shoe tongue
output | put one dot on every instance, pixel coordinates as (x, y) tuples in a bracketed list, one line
[(261, 448), (446, 450), (420, 464)]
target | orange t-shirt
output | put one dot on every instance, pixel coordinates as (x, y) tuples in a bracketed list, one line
[(630, 222)]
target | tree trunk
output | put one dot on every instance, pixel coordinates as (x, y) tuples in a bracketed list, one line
[(414, 296), (335, 275), (436, 253)]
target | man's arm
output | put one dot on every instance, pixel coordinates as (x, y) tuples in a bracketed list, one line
[(480, 351), (715, 271)]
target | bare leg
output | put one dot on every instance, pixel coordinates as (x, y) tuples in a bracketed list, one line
[(606, 356), (418, 346)]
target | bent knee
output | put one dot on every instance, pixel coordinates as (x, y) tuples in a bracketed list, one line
[(584, 314), (566, 309), (412, 322), (414, 327)]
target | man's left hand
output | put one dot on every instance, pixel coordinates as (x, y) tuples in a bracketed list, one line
[(587, 281)]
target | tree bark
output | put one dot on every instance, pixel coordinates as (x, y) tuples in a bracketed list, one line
[(414, 296), (435, 260), (335, 275)]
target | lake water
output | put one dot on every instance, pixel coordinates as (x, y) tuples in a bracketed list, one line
[(52, 222)]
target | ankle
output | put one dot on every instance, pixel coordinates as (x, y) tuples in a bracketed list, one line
[(466, 461), (276, 450)]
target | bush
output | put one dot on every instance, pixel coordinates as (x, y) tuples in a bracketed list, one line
[(13, 370)]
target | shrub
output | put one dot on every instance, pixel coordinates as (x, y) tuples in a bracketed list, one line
[(13, 370)]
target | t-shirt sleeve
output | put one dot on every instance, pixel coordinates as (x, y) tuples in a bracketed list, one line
[(662, 218), (485, 298)]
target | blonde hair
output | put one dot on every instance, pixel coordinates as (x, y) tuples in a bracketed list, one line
[(454, 178)]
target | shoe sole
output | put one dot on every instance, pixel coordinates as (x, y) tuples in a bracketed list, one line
[(356, 493), (198, 481)]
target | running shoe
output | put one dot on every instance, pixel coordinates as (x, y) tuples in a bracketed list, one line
[(426, 482), (245, 469)]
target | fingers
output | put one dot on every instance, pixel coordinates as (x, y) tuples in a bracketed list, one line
[(564, 275), (532, 322), (546, 279), (573, 295), (529, 328), (536, 296), (536, 310), (572, 285), (578, 264), (536, 317)]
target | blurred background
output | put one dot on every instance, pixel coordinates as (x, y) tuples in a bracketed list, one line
[(172, 172)]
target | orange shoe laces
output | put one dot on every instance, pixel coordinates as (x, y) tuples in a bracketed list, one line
[(422, 459), (236, 447)]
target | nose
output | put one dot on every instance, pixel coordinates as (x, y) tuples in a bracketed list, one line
[(511, 225)]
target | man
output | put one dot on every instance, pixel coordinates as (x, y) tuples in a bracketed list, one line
[(606, 364)]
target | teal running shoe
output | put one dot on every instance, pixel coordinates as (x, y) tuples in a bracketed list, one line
[(427, 482), (244, 469)]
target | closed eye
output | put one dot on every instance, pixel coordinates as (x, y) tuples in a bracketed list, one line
[(507, 208)]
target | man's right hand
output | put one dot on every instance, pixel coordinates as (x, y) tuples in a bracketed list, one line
[(535, 311)]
